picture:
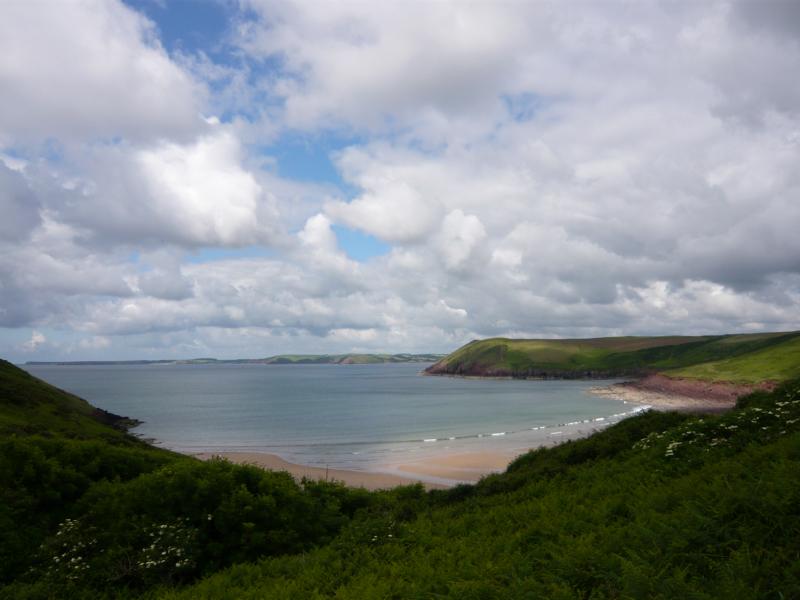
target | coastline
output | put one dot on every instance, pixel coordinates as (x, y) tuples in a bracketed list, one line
[(439, 463), (439, 471), (436, 468), (451, 466), (371, 480), (662, 401), (683, 395)]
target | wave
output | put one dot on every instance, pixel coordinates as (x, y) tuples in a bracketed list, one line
[(593, 421)]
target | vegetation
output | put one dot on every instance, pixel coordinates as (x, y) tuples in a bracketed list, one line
[(87, 507), (748, 358), (661, 505), (776, 362)]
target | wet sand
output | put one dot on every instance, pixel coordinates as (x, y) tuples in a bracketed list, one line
[(366, 479), (466, 467)]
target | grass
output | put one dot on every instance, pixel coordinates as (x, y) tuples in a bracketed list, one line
[(774, 363), (29, 406), (749, 357)]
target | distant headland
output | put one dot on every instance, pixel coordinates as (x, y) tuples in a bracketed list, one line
[(281, 359)]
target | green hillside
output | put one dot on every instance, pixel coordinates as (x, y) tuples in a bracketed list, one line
[(744, 357), (776, 362), (661, 505), (30, 406)]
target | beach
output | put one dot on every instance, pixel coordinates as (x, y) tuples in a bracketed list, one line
[(434, 472)]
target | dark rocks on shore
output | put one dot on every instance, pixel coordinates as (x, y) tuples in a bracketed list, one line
[(116, 421)]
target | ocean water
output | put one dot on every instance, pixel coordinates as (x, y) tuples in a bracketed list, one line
[(342, 416)]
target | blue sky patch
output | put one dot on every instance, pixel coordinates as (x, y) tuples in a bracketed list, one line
[(358, 245), (186, 26)]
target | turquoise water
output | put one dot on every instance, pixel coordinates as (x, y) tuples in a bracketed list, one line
[(353, 416)]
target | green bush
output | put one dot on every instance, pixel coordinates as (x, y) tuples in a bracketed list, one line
[(189, 518)]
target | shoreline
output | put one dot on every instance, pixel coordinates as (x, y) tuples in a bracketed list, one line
[(661, 401), (437, 467), (440, 471), (684, 395), (451, 466)]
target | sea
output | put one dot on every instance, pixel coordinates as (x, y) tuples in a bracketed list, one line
[(358, 417)]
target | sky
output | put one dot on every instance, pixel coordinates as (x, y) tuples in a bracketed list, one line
[(243, 178)]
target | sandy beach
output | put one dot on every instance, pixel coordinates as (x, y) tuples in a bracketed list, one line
[(434, 472), (366, 479)]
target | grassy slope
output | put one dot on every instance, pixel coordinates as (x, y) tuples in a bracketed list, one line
[(52, 450), (29, 406), (622, 356), (776, 363), (659, 506)]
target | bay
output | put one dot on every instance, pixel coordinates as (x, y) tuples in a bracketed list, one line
[(345, 416)]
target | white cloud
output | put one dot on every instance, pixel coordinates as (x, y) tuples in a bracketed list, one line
[(374, 63), (459, 237), (86, 68), (390, 210), (199, 193), (203, 190), (544, 170)]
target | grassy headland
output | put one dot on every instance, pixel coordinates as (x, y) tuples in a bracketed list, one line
[(746, 358)]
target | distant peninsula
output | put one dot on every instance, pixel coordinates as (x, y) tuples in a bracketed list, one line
[(281, 359)]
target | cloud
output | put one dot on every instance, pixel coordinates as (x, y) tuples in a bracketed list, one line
[(459, 237), (33, 344), (19, 206), (94, 343), (198, 193), (89, 69), (537, 170), (779, 16), (373, 64)]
